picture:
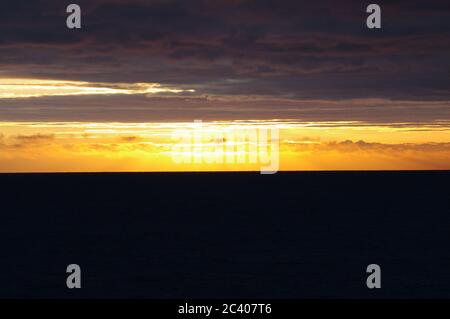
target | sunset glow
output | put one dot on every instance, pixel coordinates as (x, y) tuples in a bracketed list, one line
[(92, 147), (125, 96)]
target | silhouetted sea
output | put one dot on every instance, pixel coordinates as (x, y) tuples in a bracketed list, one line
[(219, 235)]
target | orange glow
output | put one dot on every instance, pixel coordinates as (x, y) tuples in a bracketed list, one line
[(108, 147)]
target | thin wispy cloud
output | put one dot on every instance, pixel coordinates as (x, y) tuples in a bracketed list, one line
[(34, 88)]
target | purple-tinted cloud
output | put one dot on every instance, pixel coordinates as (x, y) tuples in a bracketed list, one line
[(296, 50)]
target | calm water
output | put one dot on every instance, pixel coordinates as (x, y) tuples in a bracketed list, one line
[(289, 235)]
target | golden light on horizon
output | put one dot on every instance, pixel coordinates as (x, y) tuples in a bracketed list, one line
[(95, 146)]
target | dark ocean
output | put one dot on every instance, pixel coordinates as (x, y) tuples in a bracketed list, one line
[(225, 235)]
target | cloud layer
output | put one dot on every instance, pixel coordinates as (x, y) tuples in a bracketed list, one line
[(257, 53)]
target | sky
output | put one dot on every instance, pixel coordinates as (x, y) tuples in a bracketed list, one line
[(111, 95)]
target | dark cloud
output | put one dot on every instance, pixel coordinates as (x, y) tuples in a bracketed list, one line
[(297, 49), (24, 141), (222, 107), (363, 146), (34, 138)]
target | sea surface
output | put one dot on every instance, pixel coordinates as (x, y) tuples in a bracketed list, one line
[(225, 235)]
